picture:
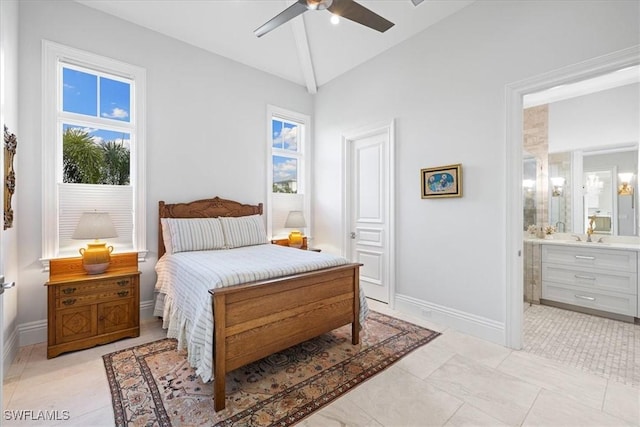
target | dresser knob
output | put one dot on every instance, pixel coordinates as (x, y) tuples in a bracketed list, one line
[(123, 282), (69, 301), (123, 293), (68, 291)]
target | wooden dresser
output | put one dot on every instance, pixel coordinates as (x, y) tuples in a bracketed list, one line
[(88, 310)]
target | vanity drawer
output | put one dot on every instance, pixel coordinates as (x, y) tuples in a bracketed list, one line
[(609, 259), (593, 279), (613, 302)]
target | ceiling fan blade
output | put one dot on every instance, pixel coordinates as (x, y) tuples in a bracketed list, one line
[(417, 2), (353, 11), (298, 8)]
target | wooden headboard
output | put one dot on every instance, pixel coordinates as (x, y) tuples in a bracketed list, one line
[(205, 208)]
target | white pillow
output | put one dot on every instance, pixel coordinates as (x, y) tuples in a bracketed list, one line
[(243, 231), (166, 235), (193, 234)]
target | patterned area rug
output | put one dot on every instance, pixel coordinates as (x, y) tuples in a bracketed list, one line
[(152, 384)]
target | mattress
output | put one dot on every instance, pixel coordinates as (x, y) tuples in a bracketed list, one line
[(185, 278)]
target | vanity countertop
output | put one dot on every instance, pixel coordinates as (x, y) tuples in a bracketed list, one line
[(609, 243)]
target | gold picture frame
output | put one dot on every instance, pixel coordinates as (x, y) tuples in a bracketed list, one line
[(10, 145), (443, 181)]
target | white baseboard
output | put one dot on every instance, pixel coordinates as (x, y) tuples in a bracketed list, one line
[(36, 332), (146, 309), (10, 351), (467, 323), (32, 332)]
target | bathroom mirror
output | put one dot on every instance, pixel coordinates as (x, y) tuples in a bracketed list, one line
[(581, 140), (599, 201), (595, 192)]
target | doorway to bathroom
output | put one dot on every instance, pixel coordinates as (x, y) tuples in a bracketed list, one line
[(572, 181), (516, 203)]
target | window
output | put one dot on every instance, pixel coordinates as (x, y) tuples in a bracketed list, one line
[(93, 148), (288, 169)]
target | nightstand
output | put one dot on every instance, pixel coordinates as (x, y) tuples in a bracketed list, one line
[(285, 242), (88, 310)]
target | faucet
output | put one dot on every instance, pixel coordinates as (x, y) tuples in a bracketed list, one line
[(592, 226), (578, 239), (558, 226)]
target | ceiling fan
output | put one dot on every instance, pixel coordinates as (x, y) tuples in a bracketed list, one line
[(347, 9)]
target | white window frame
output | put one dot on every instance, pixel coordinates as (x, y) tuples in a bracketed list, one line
[(304, 163), (52, 55)]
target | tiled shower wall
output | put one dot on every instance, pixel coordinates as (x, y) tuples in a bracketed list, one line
[(536, 143)]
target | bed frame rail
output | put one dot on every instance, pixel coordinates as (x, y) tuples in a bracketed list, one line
[(254, 320)]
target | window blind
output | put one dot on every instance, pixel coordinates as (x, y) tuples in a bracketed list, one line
[(74, 199)]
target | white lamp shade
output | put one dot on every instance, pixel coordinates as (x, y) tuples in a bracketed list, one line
[(94, 225), (295, 219), (625, 177), (558, 181), (528, 183)]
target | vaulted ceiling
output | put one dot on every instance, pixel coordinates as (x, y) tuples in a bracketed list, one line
[(308, 50)]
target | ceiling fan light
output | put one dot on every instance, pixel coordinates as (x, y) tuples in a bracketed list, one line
[(335, 19), (319, 4)]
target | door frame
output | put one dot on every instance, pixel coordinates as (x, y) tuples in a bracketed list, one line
[(388, 128), (513, 175)]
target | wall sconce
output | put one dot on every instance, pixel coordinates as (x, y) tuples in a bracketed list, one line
[(625, 188), (95, 225), (558, 186), (528, 184), (295, 219)]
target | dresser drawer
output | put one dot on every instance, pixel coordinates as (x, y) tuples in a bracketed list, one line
[(613, 302), (609, 259), (68, 301), (590, 278), (105, 285)]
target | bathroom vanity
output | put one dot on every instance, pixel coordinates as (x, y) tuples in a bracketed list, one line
[(596, 278)]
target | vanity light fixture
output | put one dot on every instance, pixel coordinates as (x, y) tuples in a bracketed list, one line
[(528, 184), (625, 188), (558, 184)]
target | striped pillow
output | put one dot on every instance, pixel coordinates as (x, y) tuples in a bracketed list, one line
[(194, 234), (243, 231)]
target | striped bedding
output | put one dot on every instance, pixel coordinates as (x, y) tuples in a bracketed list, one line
[(184, 280)]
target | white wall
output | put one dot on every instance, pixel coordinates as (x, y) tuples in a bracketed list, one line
[(9, 117), (446, 89), (206, 121), (609, 117)]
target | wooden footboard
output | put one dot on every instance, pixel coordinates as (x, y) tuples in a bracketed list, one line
[(257, 319)]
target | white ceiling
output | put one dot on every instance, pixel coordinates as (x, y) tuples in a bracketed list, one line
[(308, 50)]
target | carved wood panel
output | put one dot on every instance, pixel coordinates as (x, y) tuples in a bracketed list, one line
[(10, 144)]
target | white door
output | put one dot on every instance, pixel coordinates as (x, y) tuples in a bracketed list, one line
[(370, 214)]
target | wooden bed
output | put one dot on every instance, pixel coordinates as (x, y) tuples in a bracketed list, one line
[(254, 320)]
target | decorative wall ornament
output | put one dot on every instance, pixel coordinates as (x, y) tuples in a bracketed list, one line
[(10, 144)]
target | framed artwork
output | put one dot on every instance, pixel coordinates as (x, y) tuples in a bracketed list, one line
[(10, 144), (443, 181)]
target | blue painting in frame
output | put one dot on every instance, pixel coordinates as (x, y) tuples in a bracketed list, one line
[(443, 181)]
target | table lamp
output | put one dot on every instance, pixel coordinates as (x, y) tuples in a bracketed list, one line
[(295, 220), (95, 225)]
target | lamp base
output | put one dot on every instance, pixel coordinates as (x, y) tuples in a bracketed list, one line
[(96, 268), (96, 257), (295, 239)]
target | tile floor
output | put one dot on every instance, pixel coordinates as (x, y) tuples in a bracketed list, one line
[(605, 347), (455, 380)]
